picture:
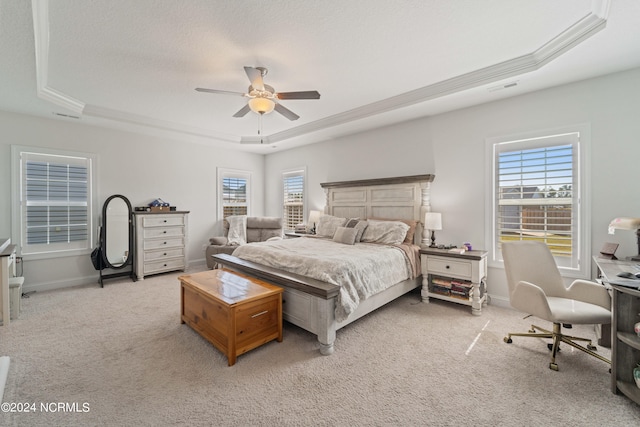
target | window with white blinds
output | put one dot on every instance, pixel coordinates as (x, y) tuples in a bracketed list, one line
[(537, 192), (293, 203), (55, 209), (234, 192)]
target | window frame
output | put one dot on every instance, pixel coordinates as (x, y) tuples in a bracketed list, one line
[(581, 198), (57, 250), (289, 172), (223, 173)]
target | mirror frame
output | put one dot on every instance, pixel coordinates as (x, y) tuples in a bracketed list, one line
[(103, 234)]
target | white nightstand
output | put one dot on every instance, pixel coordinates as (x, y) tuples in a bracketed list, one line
[(454, 277)]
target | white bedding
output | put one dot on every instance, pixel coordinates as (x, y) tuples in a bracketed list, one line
[(361, 270)]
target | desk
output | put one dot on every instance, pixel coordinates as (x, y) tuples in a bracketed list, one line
[(625, 345), (7, 260)]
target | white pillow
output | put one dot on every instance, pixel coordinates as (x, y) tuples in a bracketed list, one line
[(237, 230), (387, 232), (328, 224)]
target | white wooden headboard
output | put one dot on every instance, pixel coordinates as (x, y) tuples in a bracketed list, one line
[(406, 197)]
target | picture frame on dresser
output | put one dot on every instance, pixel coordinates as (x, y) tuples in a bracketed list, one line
[(160, 242)]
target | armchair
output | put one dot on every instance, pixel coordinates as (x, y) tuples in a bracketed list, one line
[(536, 288), (259, 229)]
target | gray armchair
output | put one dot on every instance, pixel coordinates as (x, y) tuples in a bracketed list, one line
[(259, 229)]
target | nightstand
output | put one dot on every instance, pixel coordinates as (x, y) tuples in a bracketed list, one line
[(454, 277)]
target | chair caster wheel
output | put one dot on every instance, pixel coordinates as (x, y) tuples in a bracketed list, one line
[(550, 347), (592, 347), (553, 366), (507, 340), (532, 331), (567, 325)]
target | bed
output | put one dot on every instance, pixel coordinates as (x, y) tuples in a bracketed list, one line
[(317, 305)]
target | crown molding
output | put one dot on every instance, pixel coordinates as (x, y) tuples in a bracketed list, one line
[(577, 33)]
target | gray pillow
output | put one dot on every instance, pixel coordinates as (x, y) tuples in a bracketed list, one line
[(345, 235), (358, 225)]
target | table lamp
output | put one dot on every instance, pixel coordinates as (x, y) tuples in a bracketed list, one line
[(627, 224), (314, 217), (433, 221)]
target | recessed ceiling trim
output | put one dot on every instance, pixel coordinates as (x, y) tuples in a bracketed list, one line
[(119, 116), (571, 37)]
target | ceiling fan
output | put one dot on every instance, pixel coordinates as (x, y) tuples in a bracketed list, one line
[(263, 98)]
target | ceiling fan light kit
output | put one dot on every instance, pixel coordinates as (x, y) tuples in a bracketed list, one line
[(263, 98), (261, 105)]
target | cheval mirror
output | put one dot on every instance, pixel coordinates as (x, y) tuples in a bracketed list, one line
[(116, 238)]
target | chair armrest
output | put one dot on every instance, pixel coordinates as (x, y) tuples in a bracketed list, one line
[(591, 292), (219, 241), (530, 299)]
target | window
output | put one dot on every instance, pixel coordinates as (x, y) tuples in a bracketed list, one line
[(54, 193), (293, 198), (234, 192), (537, 194)]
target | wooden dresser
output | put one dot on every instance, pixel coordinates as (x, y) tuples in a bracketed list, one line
[(160, 242)]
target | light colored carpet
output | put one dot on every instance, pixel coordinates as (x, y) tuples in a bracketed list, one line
[(122, 351)]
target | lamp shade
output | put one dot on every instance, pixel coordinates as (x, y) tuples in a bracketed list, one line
[(624, 224), (314, 216), (261, 105), (433, 221)]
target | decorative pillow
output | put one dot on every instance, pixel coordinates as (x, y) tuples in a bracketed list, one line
[(220, 241), (388, 232), (328, 224), (345, 235), (412, 223), (237, 230), (358, 225)]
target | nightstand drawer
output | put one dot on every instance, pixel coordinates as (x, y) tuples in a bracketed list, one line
[(448, 267)]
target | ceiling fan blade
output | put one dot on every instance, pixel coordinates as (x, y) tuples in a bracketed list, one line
[(308, 94), (255, 77), (243, 111), (224, 92), (286, 112)]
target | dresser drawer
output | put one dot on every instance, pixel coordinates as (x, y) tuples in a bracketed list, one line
[(163, 254), (448, 267), (174, 242), (152, 233), (163, 265), (162, 220)]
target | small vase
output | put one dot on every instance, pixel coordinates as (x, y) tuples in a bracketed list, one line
[(636, 374)]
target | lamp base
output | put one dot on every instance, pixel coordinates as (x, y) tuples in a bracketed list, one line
[(433, 240)]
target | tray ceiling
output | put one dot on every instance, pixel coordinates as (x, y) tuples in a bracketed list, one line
[(135, 64)]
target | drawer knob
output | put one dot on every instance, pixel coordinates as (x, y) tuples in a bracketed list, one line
[(165, 265), (165, 254), (164, 220), (447, 267), (164, 243), (165, 231)]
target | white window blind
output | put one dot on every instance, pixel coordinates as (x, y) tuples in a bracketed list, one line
[(293, 204), (55, 207), (537, 192), (234, 196)]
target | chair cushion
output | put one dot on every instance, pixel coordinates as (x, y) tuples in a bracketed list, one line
[(566, 310)]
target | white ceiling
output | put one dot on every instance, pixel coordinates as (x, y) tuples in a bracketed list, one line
[(135, 64)]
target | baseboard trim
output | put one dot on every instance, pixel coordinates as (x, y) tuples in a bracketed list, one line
[(66, 283)]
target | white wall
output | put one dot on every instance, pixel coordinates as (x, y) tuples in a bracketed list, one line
[(140, 167), (452, 146)]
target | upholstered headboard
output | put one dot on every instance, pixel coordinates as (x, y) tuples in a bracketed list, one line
[(406, 197)]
